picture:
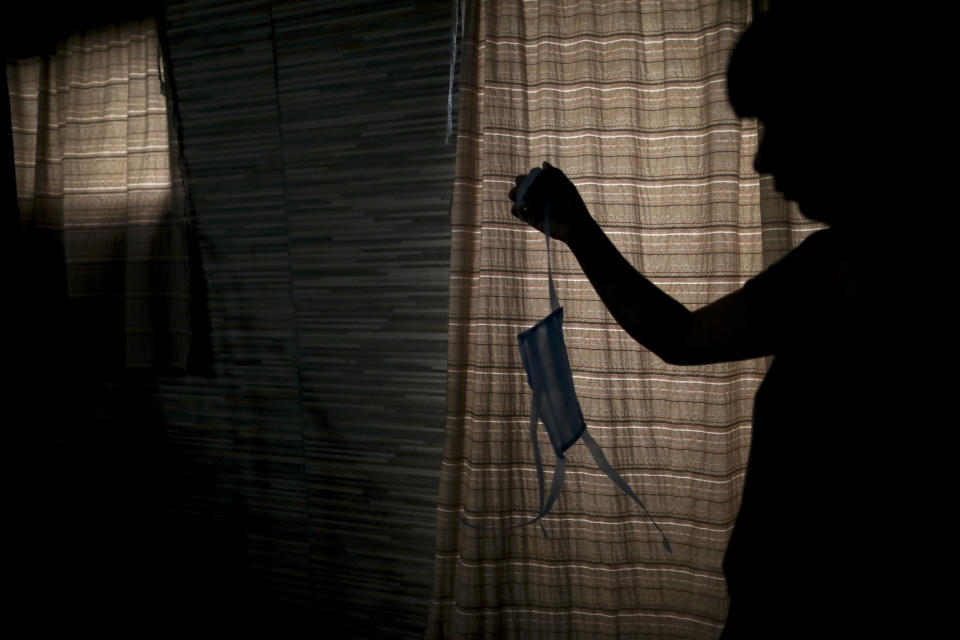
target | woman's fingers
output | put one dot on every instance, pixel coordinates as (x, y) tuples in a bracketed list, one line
[(519, 209), (512, 194)]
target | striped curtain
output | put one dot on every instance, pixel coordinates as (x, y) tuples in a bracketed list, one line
[(93, 174), (629, 99)]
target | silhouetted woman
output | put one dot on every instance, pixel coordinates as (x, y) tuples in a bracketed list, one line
[(823, 545)]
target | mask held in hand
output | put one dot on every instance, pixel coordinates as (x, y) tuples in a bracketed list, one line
[(544, 357)]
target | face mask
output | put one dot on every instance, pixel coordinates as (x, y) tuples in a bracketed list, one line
[(544, 357)]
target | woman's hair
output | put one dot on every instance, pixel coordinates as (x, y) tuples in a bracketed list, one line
[(802, 56)]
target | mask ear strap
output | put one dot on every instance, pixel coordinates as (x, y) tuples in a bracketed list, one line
[(534, 419), (557, 483), (620, 482), (557, 474), (554, 302)]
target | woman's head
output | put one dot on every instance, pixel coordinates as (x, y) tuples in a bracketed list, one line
[(808, 78)]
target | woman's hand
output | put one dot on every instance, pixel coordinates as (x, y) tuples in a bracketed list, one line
[(568, 213)]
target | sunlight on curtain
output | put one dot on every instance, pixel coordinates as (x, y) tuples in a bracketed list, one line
[(629, 99), (92, 154)]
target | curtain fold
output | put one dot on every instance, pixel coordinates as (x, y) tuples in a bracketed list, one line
[(629, 99), (92, 155)]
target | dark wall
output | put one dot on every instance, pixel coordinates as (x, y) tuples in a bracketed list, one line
[(295, 476)]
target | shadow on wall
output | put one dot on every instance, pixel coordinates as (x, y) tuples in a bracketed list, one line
[(107, 517), (108, 522)]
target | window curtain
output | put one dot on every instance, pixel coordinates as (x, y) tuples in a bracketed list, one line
[(96, 189), (630, 100)]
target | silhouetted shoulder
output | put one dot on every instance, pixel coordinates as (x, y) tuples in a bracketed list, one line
[(801, 295)]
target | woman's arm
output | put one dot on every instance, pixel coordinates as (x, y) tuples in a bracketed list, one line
[(719, 332)]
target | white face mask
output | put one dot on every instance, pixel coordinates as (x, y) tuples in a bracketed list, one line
[(544, 357)]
